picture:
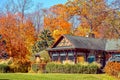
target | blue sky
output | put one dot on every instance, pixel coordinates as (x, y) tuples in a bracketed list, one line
[(48, 3), (45, 3)]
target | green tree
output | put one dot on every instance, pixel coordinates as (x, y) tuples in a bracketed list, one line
[(45, 40)]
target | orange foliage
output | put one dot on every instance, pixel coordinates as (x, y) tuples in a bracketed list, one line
[(57, 26), (84, 31), (57, 22), (60, 10), (92, 13), (19, 35), (112, 68)]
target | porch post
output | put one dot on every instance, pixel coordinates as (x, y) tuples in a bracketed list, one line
[(59, 56), (75, 56), (86, 56), (104, 58), (50, 54), (66, 55)]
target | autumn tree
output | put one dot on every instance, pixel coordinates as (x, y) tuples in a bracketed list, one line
[(57, 22), (112, 22), (92, 12), (3, 52), (19, 36)]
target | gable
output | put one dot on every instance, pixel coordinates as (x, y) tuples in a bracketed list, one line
[(64, 43)]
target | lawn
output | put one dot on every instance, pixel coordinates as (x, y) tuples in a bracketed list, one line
[(37, 76)]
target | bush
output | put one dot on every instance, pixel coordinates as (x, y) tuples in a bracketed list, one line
[(38, 67), (72, 68), (20, 66), (4, 68), (45, 56), (112, 68), (34, 67)]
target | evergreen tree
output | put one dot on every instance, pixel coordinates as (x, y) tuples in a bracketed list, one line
[(45, 40)]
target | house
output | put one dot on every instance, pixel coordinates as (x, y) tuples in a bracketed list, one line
[(78, 49)]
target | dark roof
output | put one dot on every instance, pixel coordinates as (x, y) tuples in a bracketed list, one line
[(114, 58), (89, 43)]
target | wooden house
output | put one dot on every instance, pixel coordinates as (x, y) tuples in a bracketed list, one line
[(79, 49)]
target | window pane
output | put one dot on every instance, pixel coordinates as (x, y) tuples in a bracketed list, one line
[(91, 59)]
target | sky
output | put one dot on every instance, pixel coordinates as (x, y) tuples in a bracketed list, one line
[(49, 3), (45, 3)]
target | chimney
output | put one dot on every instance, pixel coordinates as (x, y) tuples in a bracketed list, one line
[(91, 35)]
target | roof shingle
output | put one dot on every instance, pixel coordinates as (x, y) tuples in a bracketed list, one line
[(91, 43)]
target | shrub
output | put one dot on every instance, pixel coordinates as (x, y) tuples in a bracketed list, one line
[(68, 62), (4, 68), (45, 56), (4, 65), (34, 67), (92, 69), (72, 68), (38, 67), (112, 68), (20, 66)]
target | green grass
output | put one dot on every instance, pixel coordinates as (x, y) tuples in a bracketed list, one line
[(37, 76)]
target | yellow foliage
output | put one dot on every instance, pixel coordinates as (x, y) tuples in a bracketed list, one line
[(81, 31), (58, 32)]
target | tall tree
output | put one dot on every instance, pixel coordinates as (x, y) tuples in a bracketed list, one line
[(112, 22), (37, 17), (19, 36), (91, 12), (18, 6), (45, 40), (56, 21)]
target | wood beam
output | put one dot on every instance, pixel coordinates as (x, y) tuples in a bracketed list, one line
[(104, 58), (66, 55), (50, 54), (86, 56), (59, 56), (75, 56)]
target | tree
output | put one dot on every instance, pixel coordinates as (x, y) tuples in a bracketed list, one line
[(3, 53), (44, 41), (111, 24), (91, 12), (18, 36), (37, 17), (56, 21), (18, 6)]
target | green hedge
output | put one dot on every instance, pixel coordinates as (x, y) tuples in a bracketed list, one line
[(72, 68), (4, 68), (35, 67)]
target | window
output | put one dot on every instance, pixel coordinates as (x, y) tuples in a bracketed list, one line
[(70, 56), (91, 59), (55, 57), (62, 56), (80, 59)]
